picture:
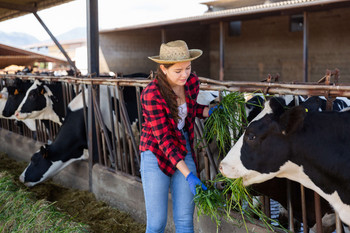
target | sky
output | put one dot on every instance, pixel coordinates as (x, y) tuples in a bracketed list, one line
[(112, 14)]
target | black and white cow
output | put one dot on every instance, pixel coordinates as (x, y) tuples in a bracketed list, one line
[(16, 93), (10, 98), (319, 103), (311, 148), (42, 102), (70, 141)]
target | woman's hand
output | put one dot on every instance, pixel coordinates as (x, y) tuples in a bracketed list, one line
[(193, 181)]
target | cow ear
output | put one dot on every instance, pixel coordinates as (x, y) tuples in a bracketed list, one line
[(43, 151), (41, 89), (278, 106), (292, 120)]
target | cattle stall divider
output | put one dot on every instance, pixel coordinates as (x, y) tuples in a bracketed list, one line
[(119, 152)]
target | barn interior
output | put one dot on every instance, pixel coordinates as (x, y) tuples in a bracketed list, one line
[(297, 40)]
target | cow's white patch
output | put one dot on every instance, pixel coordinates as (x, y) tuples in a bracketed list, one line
[(77, 103), (295, 172), (205, 97)]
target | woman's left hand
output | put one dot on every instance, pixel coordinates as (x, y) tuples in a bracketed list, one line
[(193, 181)]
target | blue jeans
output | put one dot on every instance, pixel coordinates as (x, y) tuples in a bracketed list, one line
[(156, 190)]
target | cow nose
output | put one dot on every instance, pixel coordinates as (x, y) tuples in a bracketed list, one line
[(21, 178), (17, 114), (220, 168)]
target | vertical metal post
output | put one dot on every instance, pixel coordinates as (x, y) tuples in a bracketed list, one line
[(318, 213), (290, 207), (222, 55), (92, 37), (305, 45), (338, 224), (93, 69), (303, 209), (163, 35)]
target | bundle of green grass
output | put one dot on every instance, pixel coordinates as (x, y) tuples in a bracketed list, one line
[(225, 125)]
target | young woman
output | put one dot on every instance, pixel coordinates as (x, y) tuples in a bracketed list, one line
[(167, 156)]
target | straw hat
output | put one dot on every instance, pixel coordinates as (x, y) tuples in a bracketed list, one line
[(174, 52)]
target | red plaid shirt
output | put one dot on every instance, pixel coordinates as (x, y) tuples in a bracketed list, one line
[(159, 131)]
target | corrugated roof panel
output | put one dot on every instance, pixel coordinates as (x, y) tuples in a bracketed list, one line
[(14, 56), (267, 8), (11, 9)]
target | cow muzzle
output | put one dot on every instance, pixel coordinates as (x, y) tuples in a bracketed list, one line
[(20, 116)]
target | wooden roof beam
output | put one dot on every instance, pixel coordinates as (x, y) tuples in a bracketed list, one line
[(18, 7)]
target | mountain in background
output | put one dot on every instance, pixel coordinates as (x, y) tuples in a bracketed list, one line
[(19, 39), (76, 33)]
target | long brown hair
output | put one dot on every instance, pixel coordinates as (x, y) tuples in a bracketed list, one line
[(167, 92)]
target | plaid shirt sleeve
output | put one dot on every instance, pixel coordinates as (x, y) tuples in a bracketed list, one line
[(156, 115), (193, 87)]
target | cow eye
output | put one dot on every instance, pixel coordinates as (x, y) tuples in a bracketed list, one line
[(251, 137), (35, 158)]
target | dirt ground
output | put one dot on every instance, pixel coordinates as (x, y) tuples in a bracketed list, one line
[(81, 205)]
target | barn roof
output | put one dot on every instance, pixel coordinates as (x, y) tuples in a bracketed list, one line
[(11, 55), (11, 9), (269, 8)]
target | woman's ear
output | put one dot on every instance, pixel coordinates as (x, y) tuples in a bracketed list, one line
[(162, 67)]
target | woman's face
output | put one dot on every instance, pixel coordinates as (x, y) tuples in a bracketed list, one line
[(178, 73)]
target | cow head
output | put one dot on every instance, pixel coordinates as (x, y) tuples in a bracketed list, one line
[(253, 157), (44, 165), (34, 102), (16, 93), (38, 169)]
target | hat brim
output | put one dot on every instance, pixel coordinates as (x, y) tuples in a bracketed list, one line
[(194, 54)]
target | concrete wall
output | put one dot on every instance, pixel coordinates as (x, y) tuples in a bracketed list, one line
[(127, 51), (265, 46), (117, 189)]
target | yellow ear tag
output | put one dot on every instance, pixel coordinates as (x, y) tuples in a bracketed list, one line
[(306, 110), (16, 92), (42, 91)]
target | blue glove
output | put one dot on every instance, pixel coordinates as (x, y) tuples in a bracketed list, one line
[(193, 181), (211, 110)]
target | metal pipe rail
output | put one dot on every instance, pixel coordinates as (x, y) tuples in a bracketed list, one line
[(210, 84)]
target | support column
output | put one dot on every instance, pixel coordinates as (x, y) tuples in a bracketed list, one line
[(305, 45), (222, 53), (93, 70), (92, 37)]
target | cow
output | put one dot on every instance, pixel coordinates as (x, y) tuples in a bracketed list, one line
[(9, 98), (42, 101), (68, 146), (307, 147), (319, 103), (70, 143), (16, 93)]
